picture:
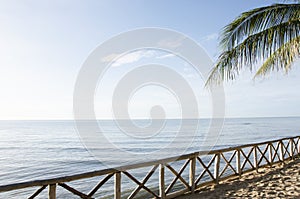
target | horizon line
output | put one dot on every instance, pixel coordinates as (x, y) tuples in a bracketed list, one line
[(253, 117)]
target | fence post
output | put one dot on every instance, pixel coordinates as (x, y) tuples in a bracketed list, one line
[(298, 145), (291, 148), (192, 173), (270, 153), (281, 151), (118, 185), (162, 192), (238, 161), (255, 158), (217, 168), (52, 191)]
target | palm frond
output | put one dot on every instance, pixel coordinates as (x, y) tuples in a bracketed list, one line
[(284, 56), (255, 20), (260, 35)]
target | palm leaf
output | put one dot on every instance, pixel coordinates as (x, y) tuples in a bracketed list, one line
[(255, 20), (285, 54), (257, 36)]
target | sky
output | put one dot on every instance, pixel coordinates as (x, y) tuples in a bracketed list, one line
[(45, 43)]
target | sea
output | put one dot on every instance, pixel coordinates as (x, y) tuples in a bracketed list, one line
[(35, 150)]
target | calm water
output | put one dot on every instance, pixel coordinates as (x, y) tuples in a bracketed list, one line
[(41, 149)]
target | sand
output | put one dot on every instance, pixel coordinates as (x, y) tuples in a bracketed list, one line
[(278, 181)]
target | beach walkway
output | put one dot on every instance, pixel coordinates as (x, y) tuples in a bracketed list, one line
[(280, 181)]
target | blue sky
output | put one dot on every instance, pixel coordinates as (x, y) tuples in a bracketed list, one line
[(44, 43)]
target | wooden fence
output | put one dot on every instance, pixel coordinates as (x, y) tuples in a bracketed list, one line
[(197, 169)]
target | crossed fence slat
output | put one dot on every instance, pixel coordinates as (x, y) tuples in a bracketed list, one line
[(228, 163), (286, 150), (263, 155), (297, 146), (177, 176), (142, 184), (294, 148), (247, 159), (74, 191), (37, 192), (99, 185), (276, 150), (205, 171)]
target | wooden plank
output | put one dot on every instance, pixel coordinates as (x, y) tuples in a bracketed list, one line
[(243, 146), (98, 186), (263, 155), (255, 159), (231, 176), (156, 162), (228, 163), (295, 148), (177, 176), (37, 192), (139, 183), (117, 187), (91, 174), (142, 184), (206, 169), (291, 148), (238, 162), (298, 145), (281, 151), (217, 168), (52, 191), (55, 180), (276, 152), (247, 159), (72, 190), (270, 153), (286, 149), (162, 193), (192, 174)]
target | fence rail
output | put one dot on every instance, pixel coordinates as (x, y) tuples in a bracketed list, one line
[(203, 168)]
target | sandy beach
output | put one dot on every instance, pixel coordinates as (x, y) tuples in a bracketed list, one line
[(280, 181)]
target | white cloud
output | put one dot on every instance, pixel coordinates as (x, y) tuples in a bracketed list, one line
[(120, 59), (171, 42), (213, 36), (110, 57), (166, 56), (128, 58)]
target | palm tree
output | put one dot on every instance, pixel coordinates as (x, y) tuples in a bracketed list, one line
[(266, 39)]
